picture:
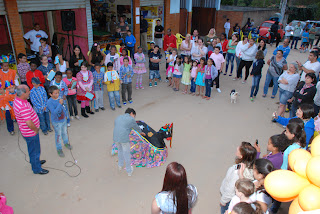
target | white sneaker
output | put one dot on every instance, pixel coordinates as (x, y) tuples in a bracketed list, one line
[(69, 124), (218, 89), (120, 168), (243, 82), (77, 117), (71, 118), (130, 173)]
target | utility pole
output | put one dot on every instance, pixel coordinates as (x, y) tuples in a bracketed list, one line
[(283, 7)]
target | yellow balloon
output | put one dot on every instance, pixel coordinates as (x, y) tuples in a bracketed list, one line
[(298, 160), (309, 198), (284, 184), (295, 207), (315, 146), (313, 170)]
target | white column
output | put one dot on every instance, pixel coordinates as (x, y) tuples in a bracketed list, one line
[(89, 24)]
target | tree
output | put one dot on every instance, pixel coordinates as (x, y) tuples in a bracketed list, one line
[(247, 2)]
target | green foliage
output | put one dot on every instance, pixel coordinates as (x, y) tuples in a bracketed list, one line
[(227, 2)]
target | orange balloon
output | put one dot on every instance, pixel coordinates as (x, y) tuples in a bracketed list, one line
[(284, 199), (298, 160), (315, 146), (313, 170), (284, 184), (309, 198), (295, 207)]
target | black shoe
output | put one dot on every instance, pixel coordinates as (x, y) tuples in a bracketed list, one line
[(43, 162), (102, 108), (88, 110), (273, 120), (119, 106), (113, 109), (97, 110), (43, 172), (83, 113)]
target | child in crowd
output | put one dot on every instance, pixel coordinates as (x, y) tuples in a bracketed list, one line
[(151, 48), (244, 189), (177, 73), (211, 73), (84, 87), (117, 35), (256, 74), (45, 68), (246, 208), (296, 134), (4, 208), (261, 168), (126, 74), (130, 42), (139, 68), (7, 96), (114, 58), (111, 79), (125, 54), (171, 62), (218, 59), (186, 74), (276, 145), (219, 45), (61, 64), (199, 77), (193, 76), (23, 67), (154, 60), (71, 83), (245, 158), (8, 75), (58, 119), (98, 79), (39, 100), (305, 40), (34, 72), (45, 49), (63, 88), (122, 46)]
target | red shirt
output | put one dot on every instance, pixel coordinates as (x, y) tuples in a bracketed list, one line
[(169, 41), (224, 46), (31, 74), (24, 112)]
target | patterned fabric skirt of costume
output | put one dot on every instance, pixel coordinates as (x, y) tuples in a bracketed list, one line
[(143, 153), (139, 68)]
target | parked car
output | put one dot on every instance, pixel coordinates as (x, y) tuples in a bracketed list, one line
[(317, 26), (264, 30)]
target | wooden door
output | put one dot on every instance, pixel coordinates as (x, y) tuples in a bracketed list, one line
[(183, 21), (203, 19)]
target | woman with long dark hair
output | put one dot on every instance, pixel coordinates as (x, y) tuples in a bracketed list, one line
[(96, 56), (76, 59), (176, 196)]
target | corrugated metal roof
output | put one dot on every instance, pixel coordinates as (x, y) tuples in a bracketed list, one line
[(183, 4), (151, 2), (204, 3), (45, 5), (2, 8)]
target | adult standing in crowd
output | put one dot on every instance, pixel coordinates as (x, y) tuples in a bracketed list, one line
[(158, 34), (143, 33), (210, 37), (29, 124), (297, 30), (288, 30), (224, 43), (231, 53), (33, 37), (96, 56), (263, 46), (169, 40), (227, 28), (76, 59), (122, 128), (186, 46), (248, 51), (276, 66), (113, 24), (285, 48), (274, 33), (311, 66), (312, 35), (238, 50), (123, 27), (198, 50)]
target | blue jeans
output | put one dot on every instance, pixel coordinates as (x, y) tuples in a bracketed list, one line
[(10, 125), (61, 133), (294, 108), (295, 40), (255, 85), (124, 155), (208, 83), (193, 85), (112, 95), (238, 63), (275, 206), (44, 121), (65, 105), (230, 58), (33, 144), (316, 109), (284, 96), (224, 208), (269, 77)]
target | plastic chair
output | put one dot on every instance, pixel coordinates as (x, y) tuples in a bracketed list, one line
[(118, 48), (179, 40)]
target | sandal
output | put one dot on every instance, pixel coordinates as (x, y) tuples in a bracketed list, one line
[(198, 94), (208, 98), (264, 95), (272, 97)]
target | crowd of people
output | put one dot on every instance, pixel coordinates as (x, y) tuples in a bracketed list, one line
[(37, 99)]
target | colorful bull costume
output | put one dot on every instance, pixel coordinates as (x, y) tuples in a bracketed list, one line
[(5, 101), (151, 150)]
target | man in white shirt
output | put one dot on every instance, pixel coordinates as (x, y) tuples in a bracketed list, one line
[(288, 31), (33, 37), (227, 27), (311, 66)]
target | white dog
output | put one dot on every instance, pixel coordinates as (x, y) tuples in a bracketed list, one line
[(233, 96)]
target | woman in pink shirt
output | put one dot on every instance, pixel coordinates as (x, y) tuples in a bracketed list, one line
[(219, 63), (71, 82)]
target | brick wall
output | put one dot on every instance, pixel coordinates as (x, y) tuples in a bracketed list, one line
[(15, 26), (170, 20), (221, 17)]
